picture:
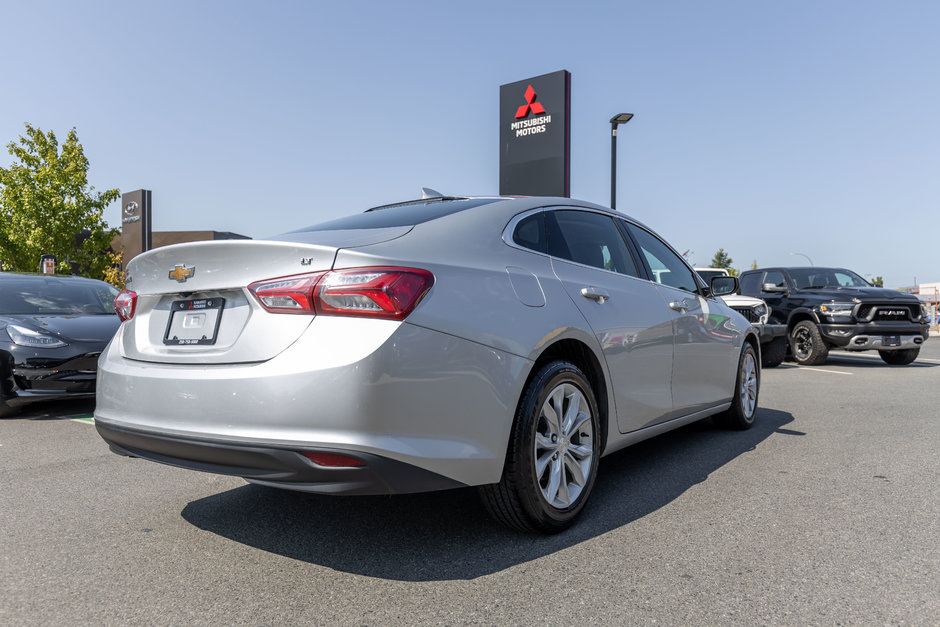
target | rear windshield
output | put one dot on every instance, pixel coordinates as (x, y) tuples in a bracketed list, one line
[(404, 214), (41, 295)]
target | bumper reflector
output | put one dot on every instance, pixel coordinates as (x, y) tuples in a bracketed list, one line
[(332, 460)]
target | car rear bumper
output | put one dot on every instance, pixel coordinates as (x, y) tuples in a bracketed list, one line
[(363, 387), (280, 467)]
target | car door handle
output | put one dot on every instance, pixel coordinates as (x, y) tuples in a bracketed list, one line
[(681, 306), (595, 294)]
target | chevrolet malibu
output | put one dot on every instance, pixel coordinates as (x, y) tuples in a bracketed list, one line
[(503, 343)]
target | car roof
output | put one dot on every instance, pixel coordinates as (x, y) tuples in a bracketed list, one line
[(422, 210)]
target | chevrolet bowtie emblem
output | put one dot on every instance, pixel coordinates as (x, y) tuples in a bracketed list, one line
[(181, 273)]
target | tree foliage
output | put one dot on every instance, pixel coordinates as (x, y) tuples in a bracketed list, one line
[(48, 207), (721, 260)]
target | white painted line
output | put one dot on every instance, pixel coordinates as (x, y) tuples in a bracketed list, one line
[(815, 369)]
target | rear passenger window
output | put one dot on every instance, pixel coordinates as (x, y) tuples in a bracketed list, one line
[(530, 233), (591, 239)]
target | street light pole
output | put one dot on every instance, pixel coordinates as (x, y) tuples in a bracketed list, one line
[(807, 258), (617, 120)]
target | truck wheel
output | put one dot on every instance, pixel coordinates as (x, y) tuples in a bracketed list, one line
[(773, 352), (6, 410), (807, 345), (899, 358)]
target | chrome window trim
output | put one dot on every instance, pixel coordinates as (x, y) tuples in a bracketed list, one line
[(519, 217)]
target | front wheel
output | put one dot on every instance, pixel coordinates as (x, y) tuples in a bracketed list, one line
[(807, 345), (901, 357), (773, 353), (746, 390), (553, 453)]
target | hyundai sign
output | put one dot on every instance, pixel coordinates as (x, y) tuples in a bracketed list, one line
[(535, 136)]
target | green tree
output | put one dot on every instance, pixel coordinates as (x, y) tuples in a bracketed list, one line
[(721, 260), (48, 207), (754, 265)]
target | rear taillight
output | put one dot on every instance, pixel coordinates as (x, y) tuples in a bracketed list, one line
[(390, 293), (292, 294), (125, 304), (372, 292)]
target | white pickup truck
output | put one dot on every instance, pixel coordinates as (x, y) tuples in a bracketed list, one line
[(773, 337)]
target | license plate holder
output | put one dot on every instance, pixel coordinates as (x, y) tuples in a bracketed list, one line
[(891, 340), (194, 322)]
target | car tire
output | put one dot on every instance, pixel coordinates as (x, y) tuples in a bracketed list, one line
[(553, 453), (899, 358), (7, 410), (773, 353), (743, 408), (807, 345)]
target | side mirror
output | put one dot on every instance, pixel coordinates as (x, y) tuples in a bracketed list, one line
[(723, 285), (773, 288)]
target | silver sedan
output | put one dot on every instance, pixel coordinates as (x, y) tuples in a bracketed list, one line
[(505, 343)]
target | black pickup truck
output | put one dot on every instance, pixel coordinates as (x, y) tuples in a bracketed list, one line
[(827, 308)]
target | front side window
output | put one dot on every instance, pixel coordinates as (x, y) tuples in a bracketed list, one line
[(775, 278), (667, 267), (591, 239), (750, 283)]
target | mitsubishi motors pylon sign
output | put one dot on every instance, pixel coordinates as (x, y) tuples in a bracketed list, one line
[(535, 136)]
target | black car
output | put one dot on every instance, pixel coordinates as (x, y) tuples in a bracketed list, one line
[(52, 329), (826, 308)]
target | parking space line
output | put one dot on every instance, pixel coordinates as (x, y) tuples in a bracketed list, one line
[(815, 369)]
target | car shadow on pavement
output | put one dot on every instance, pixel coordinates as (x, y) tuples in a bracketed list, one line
[(448, 535)]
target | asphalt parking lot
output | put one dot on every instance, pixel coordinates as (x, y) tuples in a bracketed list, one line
[(826, 512)]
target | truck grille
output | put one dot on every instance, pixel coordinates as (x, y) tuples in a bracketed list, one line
[(748, 313), (887, 312)]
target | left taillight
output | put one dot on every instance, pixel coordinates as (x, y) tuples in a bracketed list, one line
[(125, 304)]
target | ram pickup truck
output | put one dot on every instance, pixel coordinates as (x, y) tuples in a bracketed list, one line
[(834, 308), (773, 337)]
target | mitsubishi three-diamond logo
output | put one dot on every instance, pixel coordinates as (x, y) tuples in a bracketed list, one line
[(530, 105)]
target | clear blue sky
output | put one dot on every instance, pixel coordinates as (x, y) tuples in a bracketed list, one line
[(764, 128)]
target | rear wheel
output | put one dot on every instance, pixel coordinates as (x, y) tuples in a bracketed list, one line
[(6, 410), (901, 357), (773, 353), (746, 390), (553, 453), (807, 345)]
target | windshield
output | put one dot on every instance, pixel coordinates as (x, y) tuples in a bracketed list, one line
[(708, 275), (51, 296), (810, 278)]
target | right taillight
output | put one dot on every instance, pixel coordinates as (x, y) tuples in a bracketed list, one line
[(125, 303), (390, 293), (383, 292), (291, 294)]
